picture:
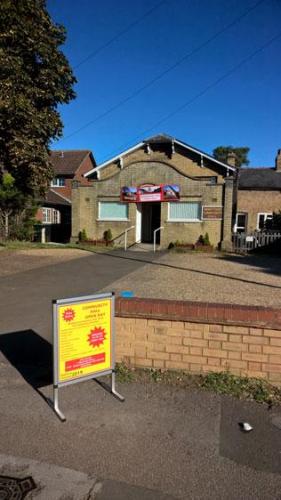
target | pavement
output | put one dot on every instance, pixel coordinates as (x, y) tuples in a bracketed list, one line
[(46, 481), (162, 443)]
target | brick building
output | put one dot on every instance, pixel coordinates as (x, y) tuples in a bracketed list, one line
[(55, 213), (159, 182), (259, 195)]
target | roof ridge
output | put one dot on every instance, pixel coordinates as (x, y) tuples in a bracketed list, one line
[(71, 150), (61, 195)]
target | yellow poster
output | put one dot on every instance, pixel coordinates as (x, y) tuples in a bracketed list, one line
[(84, 338)]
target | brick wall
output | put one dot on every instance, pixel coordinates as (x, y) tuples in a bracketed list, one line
[(253, 202), (139, 168), (64, 190), (199, 337)]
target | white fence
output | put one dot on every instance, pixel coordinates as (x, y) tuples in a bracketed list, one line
[(243, 242)]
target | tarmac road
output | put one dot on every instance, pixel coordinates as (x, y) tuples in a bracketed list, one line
[(180, 443), (26, 297)]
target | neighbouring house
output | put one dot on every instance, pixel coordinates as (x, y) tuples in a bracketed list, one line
[(159, 182), (259, 195), (55, 213)]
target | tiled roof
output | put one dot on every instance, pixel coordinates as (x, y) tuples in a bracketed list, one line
[(55, 198), (259, 178), (67, 162)]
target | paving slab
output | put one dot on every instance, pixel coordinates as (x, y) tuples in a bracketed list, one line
[(51, 482), (44, 481)]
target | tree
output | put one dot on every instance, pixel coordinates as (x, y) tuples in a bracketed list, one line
[(35, 79), (11, 201), (221, 153)]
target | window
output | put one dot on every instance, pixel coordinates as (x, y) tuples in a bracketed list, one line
[(111, 210), (240, 223), (263, 220), (56, 217), (58, 182), (184, 211), (50, 216), (47, 215)]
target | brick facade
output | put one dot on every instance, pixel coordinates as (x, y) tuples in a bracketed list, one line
[(61, 232), (84, 167), (199, 337), (156, 167), (253, 202)]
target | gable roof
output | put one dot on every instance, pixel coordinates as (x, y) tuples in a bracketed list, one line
[(161, 139), (67, 162), (259, 178), (55, 198)]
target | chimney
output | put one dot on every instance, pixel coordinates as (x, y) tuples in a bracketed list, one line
[(278, 161), (231, 159)]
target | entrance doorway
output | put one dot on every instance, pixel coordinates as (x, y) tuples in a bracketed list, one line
[(151, 220)]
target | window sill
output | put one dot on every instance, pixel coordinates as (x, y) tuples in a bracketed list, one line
[(113, 220), (184, 220)]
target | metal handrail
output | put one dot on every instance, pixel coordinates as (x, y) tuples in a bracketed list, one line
[(126, 232), (154, 237)]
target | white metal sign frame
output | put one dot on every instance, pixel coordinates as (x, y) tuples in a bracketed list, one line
[(57, 383)]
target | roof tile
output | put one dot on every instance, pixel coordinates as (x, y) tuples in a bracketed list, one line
[(259, 178), (67, 162)]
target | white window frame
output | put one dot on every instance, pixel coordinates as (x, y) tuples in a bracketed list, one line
[(266, 214), (53, 216), (236, 227), (56, 216), (185, 220), (55, 182), (113, 219), (46, 215)]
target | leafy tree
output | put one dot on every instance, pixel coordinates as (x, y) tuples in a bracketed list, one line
[(221, 153), (35, 79), (11, 201)]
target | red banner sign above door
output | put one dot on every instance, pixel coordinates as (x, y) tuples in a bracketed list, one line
[(150, 192)]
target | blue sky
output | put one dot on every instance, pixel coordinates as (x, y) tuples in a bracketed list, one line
[(243, 109)]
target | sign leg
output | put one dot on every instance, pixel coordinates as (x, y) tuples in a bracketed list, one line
[(56, 405), (113, 389)]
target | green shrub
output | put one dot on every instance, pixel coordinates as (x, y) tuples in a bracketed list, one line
[(83, 235), (107, 235), (206, 239)]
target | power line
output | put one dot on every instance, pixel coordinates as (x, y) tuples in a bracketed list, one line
[(163, 73), (120, 34), (197, 96)]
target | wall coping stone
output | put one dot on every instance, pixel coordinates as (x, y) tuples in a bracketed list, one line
[(199, 312)]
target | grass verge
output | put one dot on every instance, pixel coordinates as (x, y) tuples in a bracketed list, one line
[(222, 383), (29, 245)]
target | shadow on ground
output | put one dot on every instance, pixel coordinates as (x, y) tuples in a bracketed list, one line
[(267, 263), (255, 262), (260, 448), (30, 354)]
